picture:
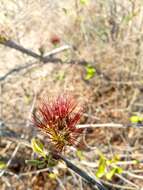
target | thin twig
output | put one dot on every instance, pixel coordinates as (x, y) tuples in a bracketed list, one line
[(34, 172), (57, 50), (126, 180), (133, 175), (17, 69), (60, 183), (116, 186), (10, 160), (113, 125)]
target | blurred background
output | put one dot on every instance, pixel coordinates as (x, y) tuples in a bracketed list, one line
[(98, 58)]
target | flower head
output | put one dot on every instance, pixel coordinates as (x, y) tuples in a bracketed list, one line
[(58, 120), (55, 40)]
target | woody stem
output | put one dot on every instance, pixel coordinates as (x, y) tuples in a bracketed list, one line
[(92, 181)]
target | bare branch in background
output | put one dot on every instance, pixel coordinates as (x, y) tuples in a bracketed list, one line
[(47, 58)]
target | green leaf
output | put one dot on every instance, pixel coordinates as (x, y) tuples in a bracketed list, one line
[(110, 174), (80, 155), (40, 166), (38, 147), (90, 72), (130, 16), (136, 119), (101, 168), (51, 162), (65, 10), (2, 39), (101, 155), (27, 99), (60, 76), (114, 160), (52, 175), (34, 162), (119, 170), (38, 163), (136, 161), (2, 165), (113, 171), (84, 2)]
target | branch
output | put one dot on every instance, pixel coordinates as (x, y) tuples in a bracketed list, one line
[(47, 58), (110, 125), (92, 181), (17, 69), (13, 45), (57, 50)]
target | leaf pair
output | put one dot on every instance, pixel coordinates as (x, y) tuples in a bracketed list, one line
[(46, 160), (90, 72), (136, 119), (108, 168)]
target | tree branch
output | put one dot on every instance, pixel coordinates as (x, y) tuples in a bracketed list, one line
[(47, 58)]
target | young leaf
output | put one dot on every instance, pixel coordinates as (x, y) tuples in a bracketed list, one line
[(136, 119), (52, 175), (90, 72), (136, 161), (114, 160), (102, 168), (119, 170), (111, 173), (65, 10), (84, 2), (2, 165), (34, 162), (27, 99), (80, 155), (41, 166), (38, 147), (60, 76), (2, 39), (130, 17)]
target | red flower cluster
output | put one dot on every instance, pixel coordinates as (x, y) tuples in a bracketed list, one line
[(58, 120)]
